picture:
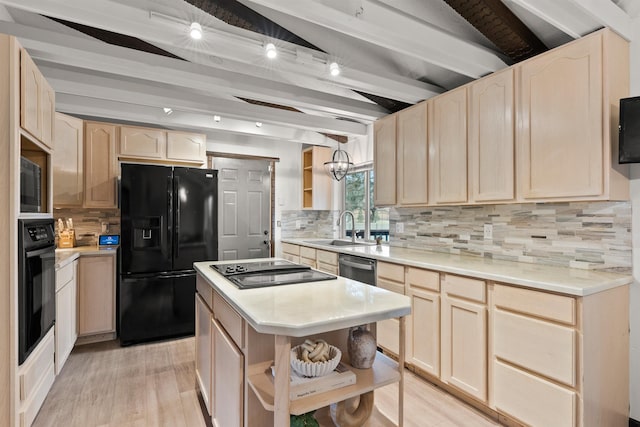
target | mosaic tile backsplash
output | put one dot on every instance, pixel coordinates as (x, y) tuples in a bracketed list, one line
[(88, 223), (589, 235), (585, 235)]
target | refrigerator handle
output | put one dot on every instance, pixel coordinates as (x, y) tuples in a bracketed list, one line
[(176, 236), (168, 242)]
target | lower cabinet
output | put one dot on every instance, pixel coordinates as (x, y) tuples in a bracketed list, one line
[(308, 256), (390, 277), (423, 330), (228, 380), (464, 335), (203, 350), (97, 294), (291, 252), (327, 261), (35, 377), (66, 327)]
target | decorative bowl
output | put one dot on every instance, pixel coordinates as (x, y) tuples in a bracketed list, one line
[(314, 369)]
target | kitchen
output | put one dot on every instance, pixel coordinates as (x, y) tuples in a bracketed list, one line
[(287, 196)]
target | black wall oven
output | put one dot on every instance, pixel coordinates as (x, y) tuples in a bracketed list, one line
[(36, 283)]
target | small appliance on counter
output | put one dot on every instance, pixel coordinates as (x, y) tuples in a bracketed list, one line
[(108, 241), (66, 234)]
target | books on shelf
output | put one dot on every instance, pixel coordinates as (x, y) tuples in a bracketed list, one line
[(301, 386)]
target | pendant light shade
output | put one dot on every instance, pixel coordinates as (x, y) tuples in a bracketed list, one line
[(339, 165)]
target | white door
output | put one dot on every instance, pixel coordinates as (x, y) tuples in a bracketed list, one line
[(244, 208)]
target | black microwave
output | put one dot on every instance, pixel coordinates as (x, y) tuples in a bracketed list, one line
[(30, 191)]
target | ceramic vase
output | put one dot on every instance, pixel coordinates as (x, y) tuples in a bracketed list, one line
[(361, 346)]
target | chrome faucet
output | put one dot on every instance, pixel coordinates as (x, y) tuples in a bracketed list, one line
[(353, 224)]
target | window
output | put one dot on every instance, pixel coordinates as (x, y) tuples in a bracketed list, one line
[(370, 221)]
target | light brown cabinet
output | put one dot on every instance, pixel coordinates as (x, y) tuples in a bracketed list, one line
[(96, 294), (203, 350), (66, 326), (308, 256), (100, 165), (142, 143), (384, 160), (492, 138), (567, 127), (448, 148), (423, 330), (37, 102), (291, 252), (186, 147), (390, 277), (68, 162), (327, 261), (412, 155), (464, 335), (228, 379), (316, 184)]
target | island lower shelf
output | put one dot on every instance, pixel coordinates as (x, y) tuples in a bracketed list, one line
[(383, 372)]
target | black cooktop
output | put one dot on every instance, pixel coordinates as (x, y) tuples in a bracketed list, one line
[(260, 274)]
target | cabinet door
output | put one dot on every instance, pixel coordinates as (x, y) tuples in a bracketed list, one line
[(142, 143), (186, 147), (390, 277), (204, 358), (96, 294), (48, 99), (560, 141), (30, 96), (412, 155), (67, 159), (384, 161), (100, 165), (464, 346), (448, 148), (491, 138), (228, 381), (65, 326), (424, 339)]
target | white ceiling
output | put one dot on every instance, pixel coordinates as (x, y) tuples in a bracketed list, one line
[(406, 50)]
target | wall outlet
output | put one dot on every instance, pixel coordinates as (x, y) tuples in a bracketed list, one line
[(488, 231), (399, 227), (298, 224)]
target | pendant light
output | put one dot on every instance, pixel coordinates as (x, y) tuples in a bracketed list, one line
[(339, 165)]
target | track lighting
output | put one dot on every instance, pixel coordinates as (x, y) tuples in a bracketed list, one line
[(334, 69), (216, 118), (167, 110), (195, 31)]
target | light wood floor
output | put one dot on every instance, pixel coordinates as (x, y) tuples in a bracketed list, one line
[(154, 385)]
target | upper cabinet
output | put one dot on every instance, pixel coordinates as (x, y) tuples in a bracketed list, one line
[(491, 138), (100, 165), (37, 102), (448, 148), (564, 129), (316, 184), (412, 155), (542, 130), (68, 159), (138, 143), (384, 160)]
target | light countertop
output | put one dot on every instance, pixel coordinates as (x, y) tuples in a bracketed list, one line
[(570, 281), (67, 255), (307, 308)]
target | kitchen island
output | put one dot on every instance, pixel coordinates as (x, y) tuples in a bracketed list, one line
[(240, 334)]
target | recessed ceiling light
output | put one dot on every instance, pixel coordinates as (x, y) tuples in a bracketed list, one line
[(334, 69), (195, 31), (270, 50), (167, 110), (258, 124), (216, 118)]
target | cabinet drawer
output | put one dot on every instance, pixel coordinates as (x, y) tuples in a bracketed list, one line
[(390, 286), (28, 415), (465, 287), (327, 268), (229, 318), (36, 367), (539, 346), (387, 335), (326, 257), (532, 400), (548, 306), (306, 252), (65, 274), (311, 262), (293, 258), (205, 290), (392, 272), (288, 248), (419, 278)]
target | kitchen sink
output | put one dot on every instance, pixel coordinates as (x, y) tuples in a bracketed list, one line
[(336, 242)]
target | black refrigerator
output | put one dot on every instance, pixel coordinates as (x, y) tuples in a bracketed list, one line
[(168, 221)]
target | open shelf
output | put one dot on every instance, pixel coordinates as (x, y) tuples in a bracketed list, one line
[(383, 372)]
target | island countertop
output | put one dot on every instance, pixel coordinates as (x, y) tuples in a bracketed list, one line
[(307, 308)]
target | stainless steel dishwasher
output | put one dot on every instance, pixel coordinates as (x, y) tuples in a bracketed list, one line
[(357, 268)]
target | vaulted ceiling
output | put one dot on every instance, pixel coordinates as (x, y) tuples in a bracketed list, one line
[(125, 60)]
